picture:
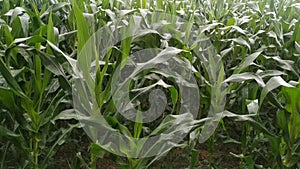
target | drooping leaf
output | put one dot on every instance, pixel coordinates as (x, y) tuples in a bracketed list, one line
[(272, 84)]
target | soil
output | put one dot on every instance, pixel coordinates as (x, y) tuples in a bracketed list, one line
[(177, 158)]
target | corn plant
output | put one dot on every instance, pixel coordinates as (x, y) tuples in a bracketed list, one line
[(33, 92)]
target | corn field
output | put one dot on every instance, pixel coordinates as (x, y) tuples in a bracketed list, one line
[(158, 84)]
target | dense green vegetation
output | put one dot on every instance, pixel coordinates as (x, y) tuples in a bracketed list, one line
[(245, 59)]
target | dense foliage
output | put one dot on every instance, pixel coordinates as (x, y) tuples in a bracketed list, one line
[(251, 82)]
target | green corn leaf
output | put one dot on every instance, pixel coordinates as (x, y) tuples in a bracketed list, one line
[(82, 29), (96, 150), (272, 84), (243, 77), (138, 126), (294, 127), (33, 115), (50, 33), (247, 62), (292, 95), (13, 84), (17, 139), (7, 99), (297, 33), (174, 96)]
